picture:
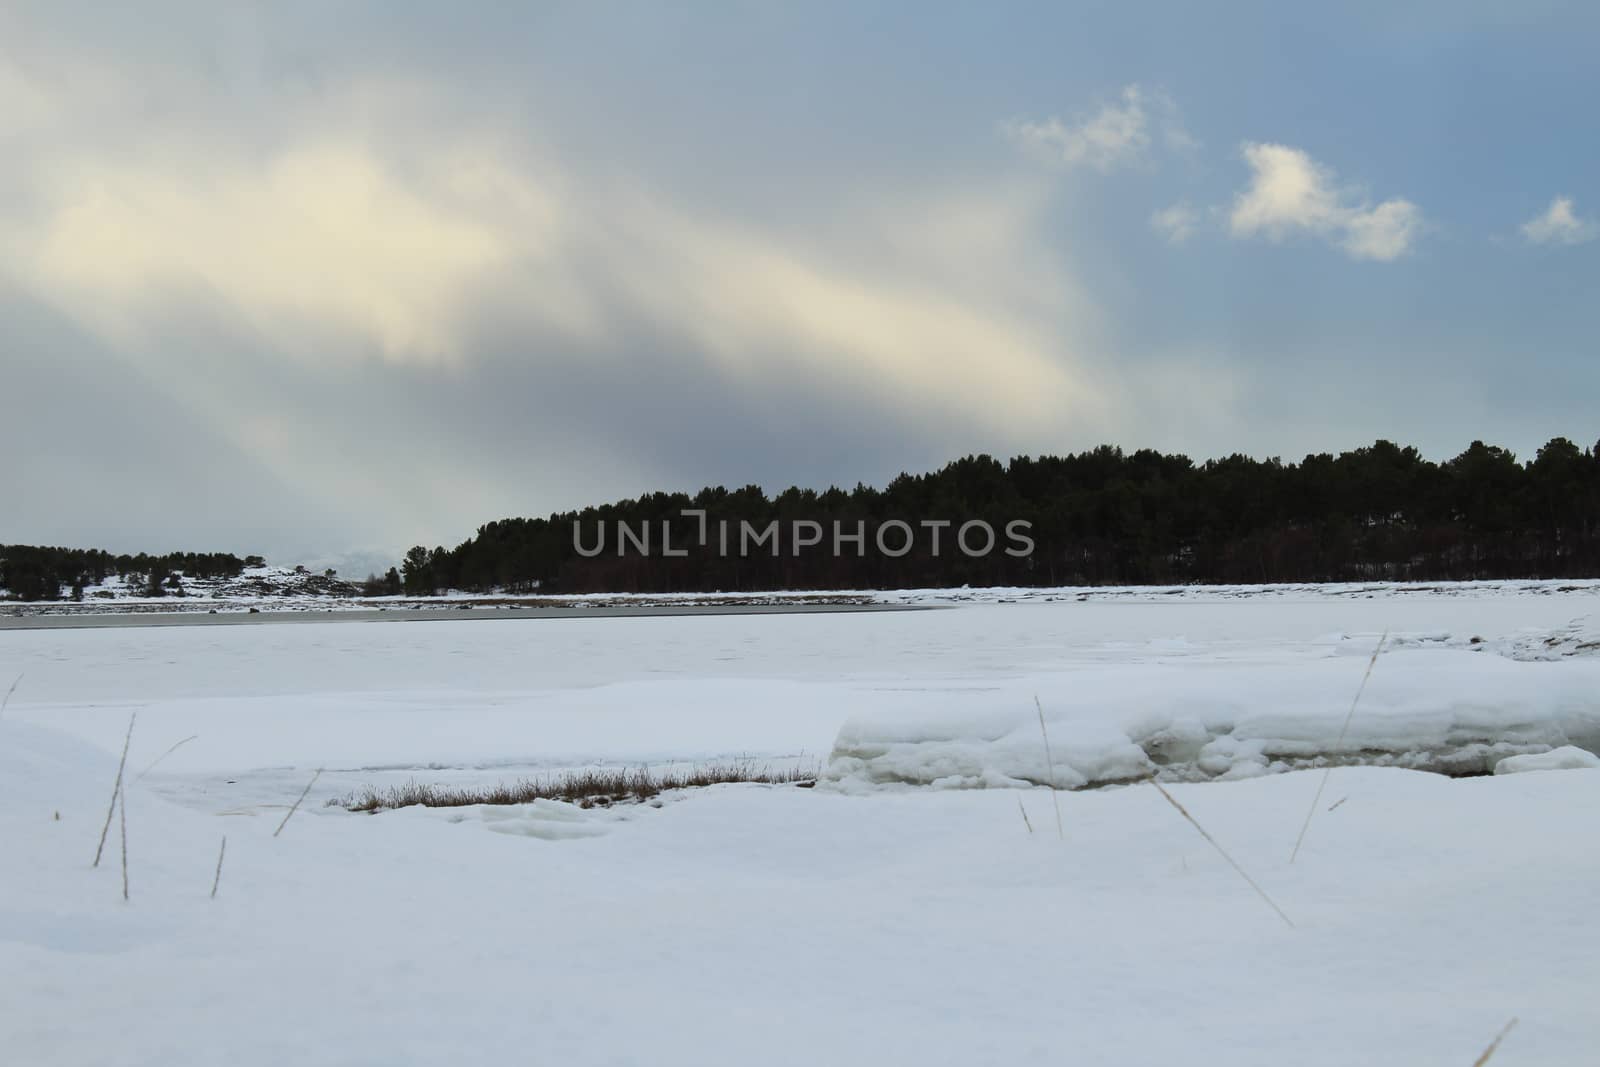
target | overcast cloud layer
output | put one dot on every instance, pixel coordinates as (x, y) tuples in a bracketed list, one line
[(316, 281)]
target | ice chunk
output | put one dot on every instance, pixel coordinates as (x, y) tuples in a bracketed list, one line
[(1443, 709), (1565, 758)]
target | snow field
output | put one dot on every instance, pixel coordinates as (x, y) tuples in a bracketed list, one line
[(746, 923), (789, 926)]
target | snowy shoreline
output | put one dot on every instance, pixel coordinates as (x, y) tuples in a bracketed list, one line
[(224, 597)]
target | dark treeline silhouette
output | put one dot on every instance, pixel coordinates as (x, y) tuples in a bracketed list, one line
[(1098, 517), (1094, 518), (31, 572)]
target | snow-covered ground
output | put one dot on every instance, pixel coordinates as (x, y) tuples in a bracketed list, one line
[(850, 923)]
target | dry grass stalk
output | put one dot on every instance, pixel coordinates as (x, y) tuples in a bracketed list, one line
[(122, 808), (7, 699), (1262, 893), (1495, 1044), (296, 806), (116, 791), (1050, 763), (1328, 770), (1025, 820), (164, 755), (217, 879)]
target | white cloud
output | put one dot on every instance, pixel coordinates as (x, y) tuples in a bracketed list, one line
[(323, 234), (1384, 232), (1291, 193), (1560, 225), (1116, 135), (1176, 223)]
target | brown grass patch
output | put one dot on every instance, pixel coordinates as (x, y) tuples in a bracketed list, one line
[(587, 788)]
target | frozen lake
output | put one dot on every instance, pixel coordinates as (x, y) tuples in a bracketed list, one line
[(453, 700)]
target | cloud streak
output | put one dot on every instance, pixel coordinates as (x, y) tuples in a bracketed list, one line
[(1118, 134), (352, 253), (324, 236), (1177, 223)]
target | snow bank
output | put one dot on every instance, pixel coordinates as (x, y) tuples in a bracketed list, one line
[(1454, 712), (1565, 758), (1577, 638), (550, 820)]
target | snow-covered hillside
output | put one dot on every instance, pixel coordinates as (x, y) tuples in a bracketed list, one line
[(253, 586)]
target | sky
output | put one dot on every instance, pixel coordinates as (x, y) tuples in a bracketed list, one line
[(322, 281)]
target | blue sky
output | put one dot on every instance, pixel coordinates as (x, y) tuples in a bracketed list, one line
[(317, 281)]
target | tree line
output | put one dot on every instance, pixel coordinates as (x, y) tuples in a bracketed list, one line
[(1099, 517), (34, 572), (1103, 516)]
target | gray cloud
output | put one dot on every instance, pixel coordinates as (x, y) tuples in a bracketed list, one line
[(98, 453), (377, 323)]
